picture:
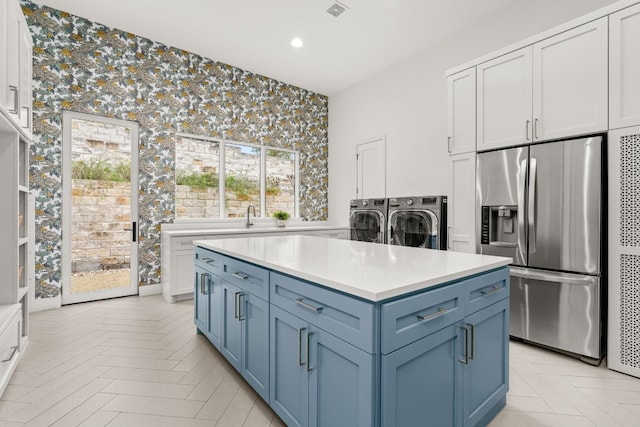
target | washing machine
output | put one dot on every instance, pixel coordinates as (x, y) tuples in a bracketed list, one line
[(419, 222), (368, 220)]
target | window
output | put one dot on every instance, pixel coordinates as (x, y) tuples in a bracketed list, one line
[(216, 178)]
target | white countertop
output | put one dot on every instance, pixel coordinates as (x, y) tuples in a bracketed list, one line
[(368, 270), (223, 231)]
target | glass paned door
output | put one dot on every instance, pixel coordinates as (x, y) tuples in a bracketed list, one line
[(100, 194)]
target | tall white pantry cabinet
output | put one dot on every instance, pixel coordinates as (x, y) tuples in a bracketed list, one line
[(580, 78), (16, 209), (624, 192)]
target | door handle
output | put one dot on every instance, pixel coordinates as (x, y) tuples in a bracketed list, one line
[(16, 99), (449, 144), (309, 369), (473, 341), (202, 281), (524, 273), (240, 275), (14, 349), (522, 174), (240, 302), (535, 129), (299, 301), (466, 346), (449, 237), (531, 209), (526, 129), (493, 290), (300, 361), (235, 308), (133, 229)]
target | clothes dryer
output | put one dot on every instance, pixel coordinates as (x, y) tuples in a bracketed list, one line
[(419, 222), (368, 220)]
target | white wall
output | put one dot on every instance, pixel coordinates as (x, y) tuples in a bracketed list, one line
[(407, 103)]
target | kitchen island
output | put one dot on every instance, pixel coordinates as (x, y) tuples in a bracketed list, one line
[(336, 332)]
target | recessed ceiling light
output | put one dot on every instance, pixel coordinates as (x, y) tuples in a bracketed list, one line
[(296, 42)]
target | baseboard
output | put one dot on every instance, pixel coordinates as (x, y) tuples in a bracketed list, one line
[(145, 291), (41, 304)]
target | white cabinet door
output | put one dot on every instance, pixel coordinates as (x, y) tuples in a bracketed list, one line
[(182, 272), (570, 82), (10, 101), (624, 66), (371, 169), (504, 100), (462, 217), (461, 114), (26, 70), (623, 347)]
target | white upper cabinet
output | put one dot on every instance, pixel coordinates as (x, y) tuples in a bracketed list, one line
[(16, 48), (551, 89), (570, 82), (624, 66), (461, 116), (505, 109)]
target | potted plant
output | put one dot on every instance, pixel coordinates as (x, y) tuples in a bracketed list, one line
[(281, 217)]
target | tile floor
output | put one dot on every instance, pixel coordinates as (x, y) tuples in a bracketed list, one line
[(137, 361)]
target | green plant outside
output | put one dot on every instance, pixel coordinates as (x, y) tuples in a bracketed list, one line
[(98, 169), (240, 185)]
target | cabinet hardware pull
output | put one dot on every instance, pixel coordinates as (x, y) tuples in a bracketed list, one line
[(535, 129), (449, 144), (202, 280), (309, 369), (308, 306), (433, 315), (16, 101), (466, 346), (240, 302), (473, 341), (235, 308), (300, 361), (240, 275), (28, 125), (449, 237), (207, 260), (526, 129), (13, 353), (493, 290)]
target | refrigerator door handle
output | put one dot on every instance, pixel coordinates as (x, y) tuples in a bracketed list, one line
[(546, 277), (522, 173), (531, 211)]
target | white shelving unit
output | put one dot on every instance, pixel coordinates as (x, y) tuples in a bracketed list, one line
[(17, 261)]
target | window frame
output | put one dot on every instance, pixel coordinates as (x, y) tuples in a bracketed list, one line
[(222, 173)]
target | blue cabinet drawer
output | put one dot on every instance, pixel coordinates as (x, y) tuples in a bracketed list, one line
[(209, 260), (486, 290), (247, 277), (408, 319), (347, 318)]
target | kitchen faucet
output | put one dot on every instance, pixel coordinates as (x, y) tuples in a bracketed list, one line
[(249, 208)]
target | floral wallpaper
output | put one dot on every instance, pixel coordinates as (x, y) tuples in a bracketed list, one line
[(86, 67)]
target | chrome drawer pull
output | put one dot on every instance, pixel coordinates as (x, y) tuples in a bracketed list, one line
[(490, 291), (434, 314), (207, 260), (308, 306), (16, 99), (240, 275), (13, 353), (473, 341)]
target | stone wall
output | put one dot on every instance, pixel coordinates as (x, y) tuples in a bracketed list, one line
[(101, 212)]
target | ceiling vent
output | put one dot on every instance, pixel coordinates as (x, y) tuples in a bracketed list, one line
[(336, 9)]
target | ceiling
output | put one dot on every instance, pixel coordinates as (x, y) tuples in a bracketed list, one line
[(255, 35)]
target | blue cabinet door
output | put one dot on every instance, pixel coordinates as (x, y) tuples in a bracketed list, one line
[(200, 299), (254, 317), (289, 395), (421, 382), (214, 318), (340, 382), (486, 377), (231, 337)]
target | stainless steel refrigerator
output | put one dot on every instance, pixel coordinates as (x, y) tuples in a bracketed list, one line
[(542, 205)]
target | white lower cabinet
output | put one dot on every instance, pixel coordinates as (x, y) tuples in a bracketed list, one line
[(10, 340)]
